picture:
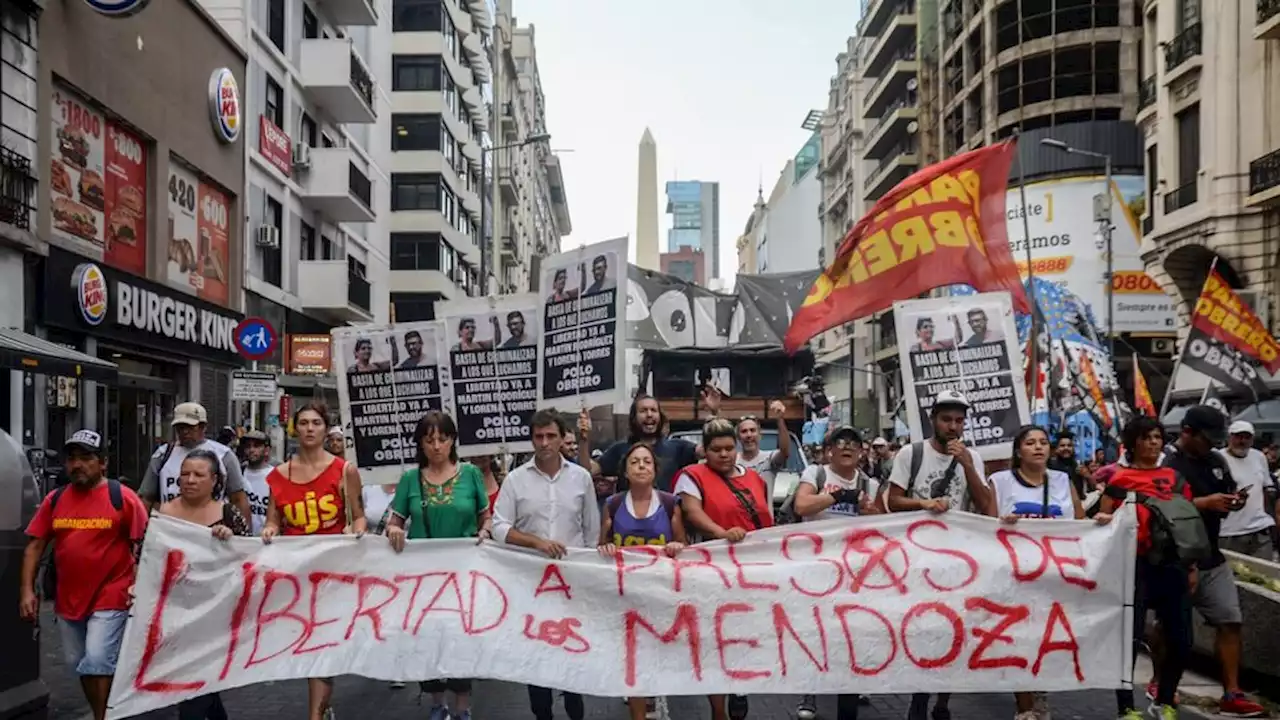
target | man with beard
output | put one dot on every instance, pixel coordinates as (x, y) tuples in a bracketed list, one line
[(766, 463), (599, 276), (96, 525), (982, 332), (256, 447), (413, 345), (516, 328), (937, 475), (1064, 460), (160, 481)]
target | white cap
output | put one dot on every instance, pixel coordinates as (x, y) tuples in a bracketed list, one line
[(950, 397), (335, 431), (189, 413), (1240, 427), (879, 442)]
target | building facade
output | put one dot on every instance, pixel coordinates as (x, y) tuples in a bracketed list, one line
[(1210, 115), (687, 264), (694, 207), (137, 202), (791, 238)]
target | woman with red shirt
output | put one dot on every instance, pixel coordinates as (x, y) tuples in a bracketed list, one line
[(314, 493), (723, 500), (1165, 588)]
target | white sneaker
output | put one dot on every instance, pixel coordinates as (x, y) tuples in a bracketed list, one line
[(1026, 715)]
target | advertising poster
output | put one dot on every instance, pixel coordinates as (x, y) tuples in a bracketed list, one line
[(584, 327), (307, 354), (389, 376), (199, 243), (1067, 248), (98, 184), (493, 361), (968, 344)]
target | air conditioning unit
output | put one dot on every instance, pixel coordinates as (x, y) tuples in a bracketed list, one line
[(912, 84), (301, 156), (1257, 302), (1162, 346), (267, 236)]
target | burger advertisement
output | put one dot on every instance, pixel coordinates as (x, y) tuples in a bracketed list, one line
[(199, 240), (98, 181)]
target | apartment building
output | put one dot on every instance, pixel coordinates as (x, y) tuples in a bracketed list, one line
[(1210, 114), (790, 239), (694, 207)]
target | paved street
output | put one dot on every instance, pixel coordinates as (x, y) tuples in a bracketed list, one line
[(356, 697)]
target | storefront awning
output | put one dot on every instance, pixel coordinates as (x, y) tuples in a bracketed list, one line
[(26, 352)]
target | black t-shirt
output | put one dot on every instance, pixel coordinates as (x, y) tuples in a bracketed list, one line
[(673, 455), (1206, 475)]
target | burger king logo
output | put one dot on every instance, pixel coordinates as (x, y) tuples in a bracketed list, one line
[(91, 293), (224, 105)]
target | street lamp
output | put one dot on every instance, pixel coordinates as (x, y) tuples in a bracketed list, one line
[(485, 244)]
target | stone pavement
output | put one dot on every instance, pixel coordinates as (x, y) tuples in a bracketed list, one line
[(356, 698)]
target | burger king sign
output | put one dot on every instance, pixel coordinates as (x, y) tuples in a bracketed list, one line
[(90, 286), (224, 105)]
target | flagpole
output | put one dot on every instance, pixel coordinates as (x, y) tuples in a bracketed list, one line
[(1034, 353), (1205, 395), (1177, 364)]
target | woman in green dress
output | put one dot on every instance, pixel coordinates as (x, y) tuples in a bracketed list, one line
[(441, 498)]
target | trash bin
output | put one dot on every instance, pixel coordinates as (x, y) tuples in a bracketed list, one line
[(21, 689)]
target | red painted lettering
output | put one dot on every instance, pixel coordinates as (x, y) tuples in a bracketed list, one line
[(782, 626), (743, 582), (373, 612), (552, 574), (878, 557), (1064, 561), (450, 583), (843, 612), (476, 577), (1010, 615), (705, 562), (1057, 616), (723, 642), (561, 634), (175, 564), (237, 616), (269, 580), (317, 579), (413, 594), (685, 622), (957, 634), (816, 541), (1006, 537), (964, 557), (621, 566)]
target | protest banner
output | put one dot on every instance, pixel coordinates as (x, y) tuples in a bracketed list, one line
[(389, 376), (1221, 314), (967, 343), (930, 603), (584, 328), (493, 361)]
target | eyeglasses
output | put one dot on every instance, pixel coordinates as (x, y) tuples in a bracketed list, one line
[(843, 443)]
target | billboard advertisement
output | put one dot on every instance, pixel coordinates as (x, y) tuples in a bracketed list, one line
[(1067, 248)]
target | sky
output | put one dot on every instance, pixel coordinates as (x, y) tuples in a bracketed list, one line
[(723, 85)]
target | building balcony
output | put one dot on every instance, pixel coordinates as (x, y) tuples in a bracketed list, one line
[(317, 282), (508, 122), (898, 122), (507, 183), (559, 201), (351, 12), (1147, 93), (17, 189), (898, 34), (1264, 180), (1184, 47), (1180, 197), (336, 187), (896, 79), (510, 249), (338, 80), (1268, 20), (876, 14), (895, 168)]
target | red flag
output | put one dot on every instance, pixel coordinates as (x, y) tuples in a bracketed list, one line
[(944, 225), (1095, 388), (1223, 316), (1141, 395)]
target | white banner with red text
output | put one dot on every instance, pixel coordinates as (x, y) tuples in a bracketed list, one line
[(905, 602)]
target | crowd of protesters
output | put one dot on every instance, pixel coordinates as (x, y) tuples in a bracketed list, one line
[(1206, 490)]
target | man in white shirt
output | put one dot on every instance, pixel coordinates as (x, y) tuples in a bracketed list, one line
[(160, 482), (1248, 530), (257, 465), (838, 488), (766, 463), (548, 504)]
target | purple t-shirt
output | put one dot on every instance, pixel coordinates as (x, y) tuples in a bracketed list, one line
[(629, 530)]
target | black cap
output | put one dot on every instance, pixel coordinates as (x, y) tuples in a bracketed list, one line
[(847, 431), (87, 440), (1208, 421)]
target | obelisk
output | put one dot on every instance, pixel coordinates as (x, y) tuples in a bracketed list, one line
[(647, 204)]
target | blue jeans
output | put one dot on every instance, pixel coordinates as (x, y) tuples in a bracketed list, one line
[(92, 645)]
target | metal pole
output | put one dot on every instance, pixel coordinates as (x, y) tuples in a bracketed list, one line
[(1034, 350), (1177, 364), (853, 408), (1111, 266), (484, 229)]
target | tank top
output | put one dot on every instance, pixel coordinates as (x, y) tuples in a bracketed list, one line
[(655, 529), (314, 508)]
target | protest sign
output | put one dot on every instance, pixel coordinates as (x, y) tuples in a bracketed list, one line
[(584, 327), (389, 376), (966, 343), (493, 361), (946, 603)]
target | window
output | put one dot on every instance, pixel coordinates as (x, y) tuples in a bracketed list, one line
[(356, 268), (415, 132), (273, 106), (1153, 176), (416, 72), (307, 129), (1188, 144), (272, 258), (328, 251), (307, 242), (415, 251), (275, 23), (417, 16), (415, 191), (326, 140), (415, 307), (310, 25)]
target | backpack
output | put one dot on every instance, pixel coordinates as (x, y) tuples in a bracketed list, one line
[(48, 570), (917, 461), (787, 514), (1178, 535)]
